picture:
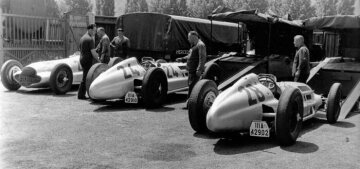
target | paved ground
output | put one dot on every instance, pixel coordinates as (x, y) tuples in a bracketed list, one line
[(41, 130)]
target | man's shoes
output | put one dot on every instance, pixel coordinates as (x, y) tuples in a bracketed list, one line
[(82, 98)]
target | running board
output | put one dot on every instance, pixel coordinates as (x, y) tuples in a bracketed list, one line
[(350, 101), (238, 75)]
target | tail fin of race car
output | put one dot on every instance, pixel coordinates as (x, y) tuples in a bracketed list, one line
[(350, 101)]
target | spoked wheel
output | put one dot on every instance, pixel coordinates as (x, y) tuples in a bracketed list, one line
[(61, 79), (8, 69)]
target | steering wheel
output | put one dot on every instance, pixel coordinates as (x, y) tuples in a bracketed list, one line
[(148, 62), (269, 81)]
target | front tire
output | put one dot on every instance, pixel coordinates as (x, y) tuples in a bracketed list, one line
[(201, 98), (61, 79), (154, 87), (333, 103), (93, 73), (7, 71), (289, 116)]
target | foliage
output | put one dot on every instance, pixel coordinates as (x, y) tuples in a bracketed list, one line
[(81, 7), (136, 6), (105, 7)]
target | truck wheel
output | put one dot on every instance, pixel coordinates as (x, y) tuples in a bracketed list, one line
[(93, 73), (289, 116), (7, 71), (201, 98), (61, 79), (213, 72), (333, 103), (154, 87), (113, 61)]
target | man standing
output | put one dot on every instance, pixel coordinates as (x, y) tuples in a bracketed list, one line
[(103, 48), (301, 65), (88, 56), (195, 59), (120, 44)]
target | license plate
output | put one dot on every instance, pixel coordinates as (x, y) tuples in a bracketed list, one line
[(131, 97), (27, 80), (259, 129)]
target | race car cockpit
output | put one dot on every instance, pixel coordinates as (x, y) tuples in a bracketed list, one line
[(269, 80)]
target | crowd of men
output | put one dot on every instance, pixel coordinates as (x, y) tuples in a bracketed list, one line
[(89, 54), (118, 47)]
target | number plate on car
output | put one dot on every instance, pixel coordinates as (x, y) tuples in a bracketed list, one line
[(131, 97), (259, 129), (28, 80)]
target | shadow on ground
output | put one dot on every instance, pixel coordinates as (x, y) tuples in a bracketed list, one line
[(120, 105)]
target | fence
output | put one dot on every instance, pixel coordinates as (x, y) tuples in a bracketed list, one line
[(32, 38)]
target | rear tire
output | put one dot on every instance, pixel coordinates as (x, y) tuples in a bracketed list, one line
[(93, 73), (113, 61), (7, 71), (61, 79), (333, 103), (154, 88), (213, 72), (201, 98), (289, 116)]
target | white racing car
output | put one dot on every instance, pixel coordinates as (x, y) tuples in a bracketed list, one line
[(130, 80), (59, 75), (259, 105)]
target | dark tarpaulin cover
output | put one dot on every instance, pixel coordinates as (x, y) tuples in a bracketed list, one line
[(333, 22), (252, 16), (167, 34), (259, 25)]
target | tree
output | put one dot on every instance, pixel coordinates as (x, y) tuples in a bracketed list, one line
[(345, 7), (105, 7), (203, 8), (325, 7), (136, 6), (261, 5), (300, 9), (81, 7)]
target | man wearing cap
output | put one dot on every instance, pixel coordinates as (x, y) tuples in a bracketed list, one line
[(120, 45), (195, 59), (88, 56), (103, 48)]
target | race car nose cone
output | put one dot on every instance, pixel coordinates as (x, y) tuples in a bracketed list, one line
[(103, 87)]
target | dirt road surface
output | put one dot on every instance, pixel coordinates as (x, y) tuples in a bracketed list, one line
[(40, 130)]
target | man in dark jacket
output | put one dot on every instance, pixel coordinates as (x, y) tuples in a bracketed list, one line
[(88, 56), (120, 45), (301, 64), (103, 48), (195, 59)]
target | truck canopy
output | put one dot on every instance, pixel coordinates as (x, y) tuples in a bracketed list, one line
[(167, 34), (271, 35)]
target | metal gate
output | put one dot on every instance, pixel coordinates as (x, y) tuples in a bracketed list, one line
[(32, 38)]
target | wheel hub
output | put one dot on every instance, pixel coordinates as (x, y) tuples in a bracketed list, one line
[(209, 99), (62, 79)]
